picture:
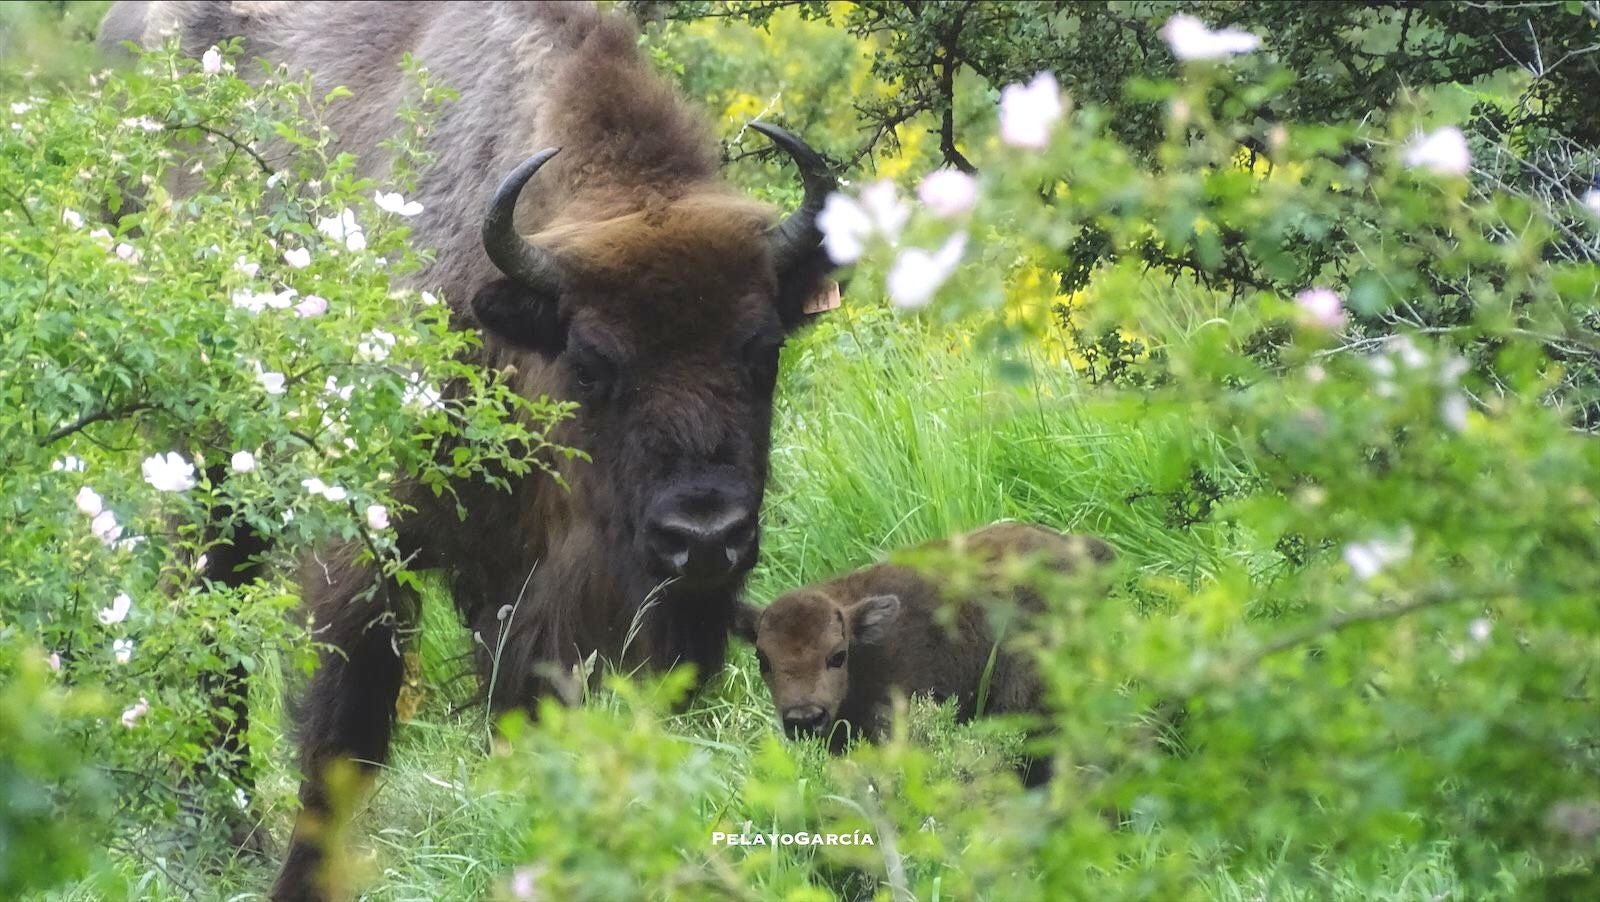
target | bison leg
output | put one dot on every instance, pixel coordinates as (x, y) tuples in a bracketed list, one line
[(346, 716), (235, 559)]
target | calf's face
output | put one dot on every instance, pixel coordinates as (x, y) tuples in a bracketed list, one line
[(803, 644)]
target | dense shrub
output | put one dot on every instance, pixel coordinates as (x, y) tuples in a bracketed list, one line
[(199, 329)]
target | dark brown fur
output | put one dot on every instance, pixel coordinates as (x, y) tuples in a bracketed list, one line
[(669, 287), (834, 654)]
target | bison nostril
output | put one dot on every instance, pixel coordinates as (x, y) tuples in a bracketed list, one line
[(705, 545)]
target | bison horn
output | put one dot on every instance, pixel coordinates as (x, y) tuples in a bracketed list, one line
[(530, 265), (797, 236)]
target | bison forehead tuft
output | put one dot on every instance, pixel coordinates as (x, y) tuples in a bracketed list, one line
[(710, 235)]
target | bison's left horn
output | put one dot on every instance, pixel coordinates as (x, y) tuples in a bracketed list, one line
[(528, 264), (797, 236)]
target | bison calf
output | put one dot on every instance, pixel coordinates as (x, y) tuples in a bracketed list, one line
[(834, 653)]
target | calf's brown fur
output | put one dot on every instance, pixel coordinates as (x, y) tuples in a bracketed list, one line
[(835, 653)]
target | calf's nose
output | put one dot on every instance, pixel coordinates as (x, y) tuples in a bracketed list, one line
[(804, 719), (705, 545)]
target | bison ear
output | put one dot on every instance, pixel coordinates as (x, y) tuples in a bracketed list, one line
[(806, 292), (745, 618), (872, 618), (520, 317)]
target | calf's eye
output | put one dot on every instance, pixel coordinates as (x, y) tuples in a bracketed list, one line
[(763, 663), (836, 660)]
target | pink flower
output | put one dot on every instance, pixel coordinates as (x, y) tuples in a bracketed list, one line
[(378, 517), (271, 383), (312, 306), (104, 527), (53, 660), (243, 462), (375, 347), (948, 193), (1322, 306), (524, 884), (317, 487), (72, 218), (917, 274), (421, 394), (394, 203), (131, 715), (211, 61), (169, 472), (847, 223), (299, 257), (1190, 39), (88, 501), (251, 301), (1442, 152), (1028, 112), (344, 228), (845, 228), (122, 650), (118, 612)]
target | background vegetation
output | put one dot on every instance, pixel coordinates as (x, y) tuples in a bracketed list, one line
[(1327, 385)]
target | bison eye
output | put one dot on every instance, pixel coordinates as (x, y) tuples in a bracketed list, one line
[(591, 372), (763, 663), (836, 660), (584, 377)]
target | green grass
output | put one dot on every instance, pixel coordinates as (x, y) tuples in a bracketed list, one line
[(888, 433)]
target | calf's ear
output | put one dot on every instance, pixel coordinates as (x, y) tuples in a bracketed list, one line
[(745, 618), (520, 317), (872, 618)]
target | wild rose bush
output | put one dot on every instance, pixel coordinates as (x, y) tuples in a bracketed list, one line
[(198, 319), (1391, 647)]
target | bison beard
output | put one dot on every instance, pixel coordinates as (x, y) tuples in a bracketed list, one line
[(619, 272)]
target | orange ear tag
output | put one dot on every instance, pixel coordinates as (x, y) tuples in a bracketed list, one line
[(826, 298)]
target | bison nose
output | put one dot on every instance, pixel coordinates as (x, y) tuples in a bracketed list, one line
[(703, 546), (803, 720)]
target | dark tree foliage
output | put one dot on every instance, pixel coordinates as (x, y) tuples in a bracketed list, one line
[(1351, 60)]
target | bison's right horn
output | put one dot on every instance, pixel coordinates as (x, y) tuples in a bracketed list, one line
[(528, 264), (797, 237)]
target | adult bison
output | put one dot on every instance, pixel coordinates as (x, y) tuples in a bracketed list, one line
[(619, 272)]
